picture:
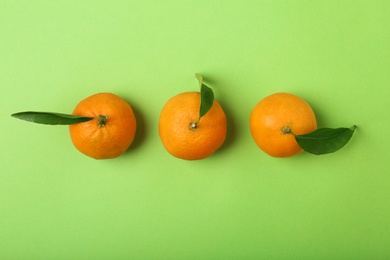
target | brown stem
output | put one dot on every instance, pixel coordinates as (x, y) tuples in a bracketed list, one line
[(102, 120), (287, 130), (193, 126)]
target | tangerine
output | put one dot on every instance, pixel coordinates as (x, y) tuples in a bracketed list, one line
[(276, 119), (112, 130), (185, 136)]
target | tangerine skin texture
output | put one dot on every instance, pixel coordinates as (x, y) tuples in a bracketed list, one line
[(110, 140), (174, 127), (275, 112)]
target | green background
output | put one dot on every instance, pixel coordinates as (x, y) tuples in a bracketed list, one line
[(56, 203)]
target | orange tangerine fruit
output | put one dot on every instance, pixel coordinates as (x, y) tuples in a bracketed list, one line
[(276, 119), (184, 137), (112, 130)]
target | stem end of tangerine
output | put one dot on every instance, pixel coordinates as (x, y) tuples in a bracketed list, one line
[(102, 120), (287, 130), (193, 126)]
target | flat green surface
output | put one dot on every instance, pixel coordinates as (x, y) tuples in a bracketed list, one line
[(56, 203)]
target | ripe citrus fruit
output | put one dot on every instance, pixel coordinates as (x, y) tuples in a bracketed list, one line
[(275, 120), (111, 131), (184, 137)]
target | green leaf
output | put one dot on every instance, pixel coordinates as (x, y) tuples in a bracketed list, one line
[(206, 99), (206, 96), (325, 140), (50, 118)]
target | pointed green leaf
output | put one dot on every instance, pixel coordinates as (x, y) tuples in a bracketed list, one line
[(206, 96), (325, 140), (50, 118), (206, 99)]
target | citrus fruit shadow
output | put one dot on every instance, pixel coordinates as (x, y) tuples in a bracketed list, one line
[(231, 131), (321, 120), (140, 133)]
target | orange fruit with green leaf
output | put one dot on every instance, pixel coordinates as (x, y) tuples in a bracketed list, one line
[(192, 125), (110, 132), (284, 125), (102, 126)]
